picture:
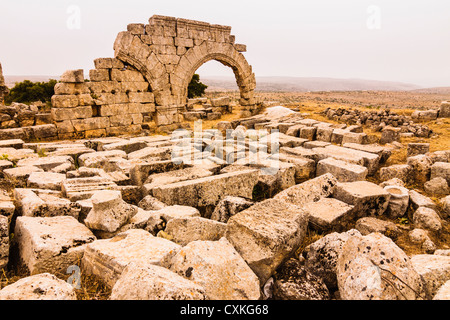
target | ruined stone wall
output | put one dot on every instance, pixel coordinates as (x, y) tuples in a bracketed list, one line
[(115, 101), (3, 88), (148, 78)]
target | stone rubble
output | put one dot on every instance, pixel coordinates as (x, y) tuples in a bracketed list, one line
[(230, 218)]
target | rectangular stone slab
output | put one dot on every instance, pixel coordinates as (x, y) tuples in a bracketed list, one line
[(107, 258), (266, 234), (208, 191)]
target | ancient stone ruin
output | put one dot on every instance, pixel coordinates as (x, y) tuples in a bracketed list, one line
[(147, 78), (3, 88)]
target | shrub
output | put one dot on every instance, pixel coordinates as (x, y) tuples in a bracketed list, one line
[(28, 91), (196, 88)]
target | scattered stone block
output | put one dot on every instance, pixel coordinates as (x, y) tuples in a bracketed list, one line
[(51, 244), (368, 225), (151, 203), (208, 191), (322, 255), (84, 188), (343, 171), (107, 258), (445, 205), (398, 201), (399, 171), (109, 211), (19, 175), (164, 178), (273, 221), (444, 291), (176, 212), (309, 191), (437, 186), (415, 149), (418, 200), (295, 282), (328, 214), (305, 168), (44, 286), (217, 267), (185, 230), (47, 163), (45, 180), (441, 169), (228, 207), (143, 281), (428, 219), (434, 270), (4, 242), (361, 270), (421, 167), (367, 198)]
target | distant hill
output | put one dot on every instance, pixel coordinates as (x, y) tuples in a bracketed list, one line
[(285, 84), (301, 84), (436, 90)]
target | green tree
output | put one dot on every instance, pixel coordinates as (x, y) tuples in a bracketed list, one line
[(196, 88), (28, 91)]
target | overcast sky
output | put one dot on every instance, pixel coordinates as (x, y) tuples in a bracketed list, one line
[(393, 40)]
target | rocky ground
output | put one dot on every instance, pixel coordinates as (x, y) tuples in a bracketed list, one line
[(315, 211)]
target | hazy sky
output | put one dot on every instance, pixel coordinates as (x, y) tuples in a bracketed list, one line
[(393, 40)]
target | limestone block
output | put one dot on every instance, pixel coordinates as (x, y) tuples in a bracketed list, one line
[(141, 281), (65, 101), (44, 286), (20, 174), (309, 191), (426, 218), (273, 221), (343, 171), (46, 163), (4, 242), (217, 267), (418, 200), (109, 211), (434, 269), (126, 76), (51, 244), (168, 213), (444, 291), (161, 179), (99, 75), (141, 97), (398, 202), (72, 76), (228, 207), (374, 267), (367, 198), (208, 191), (441, 169), (83, 188), (399, 171), (368, 225), (420, 167), (108, 258), (65, 88), (295, 282), (45, 180), (186, 230), (91, 123), (444, 110), (61, 114), (415, 149), (322, 255), (328, 214)]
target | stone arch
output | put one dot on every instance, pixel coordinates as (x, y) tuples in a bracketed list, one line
[(168, 51), (207, 51)]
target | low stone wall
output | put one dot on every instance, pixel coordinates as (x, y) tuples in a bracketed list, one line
[(115, 101)]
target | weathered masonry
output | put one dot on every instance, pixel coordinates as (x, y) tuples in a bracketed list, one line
[(147, 79)]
